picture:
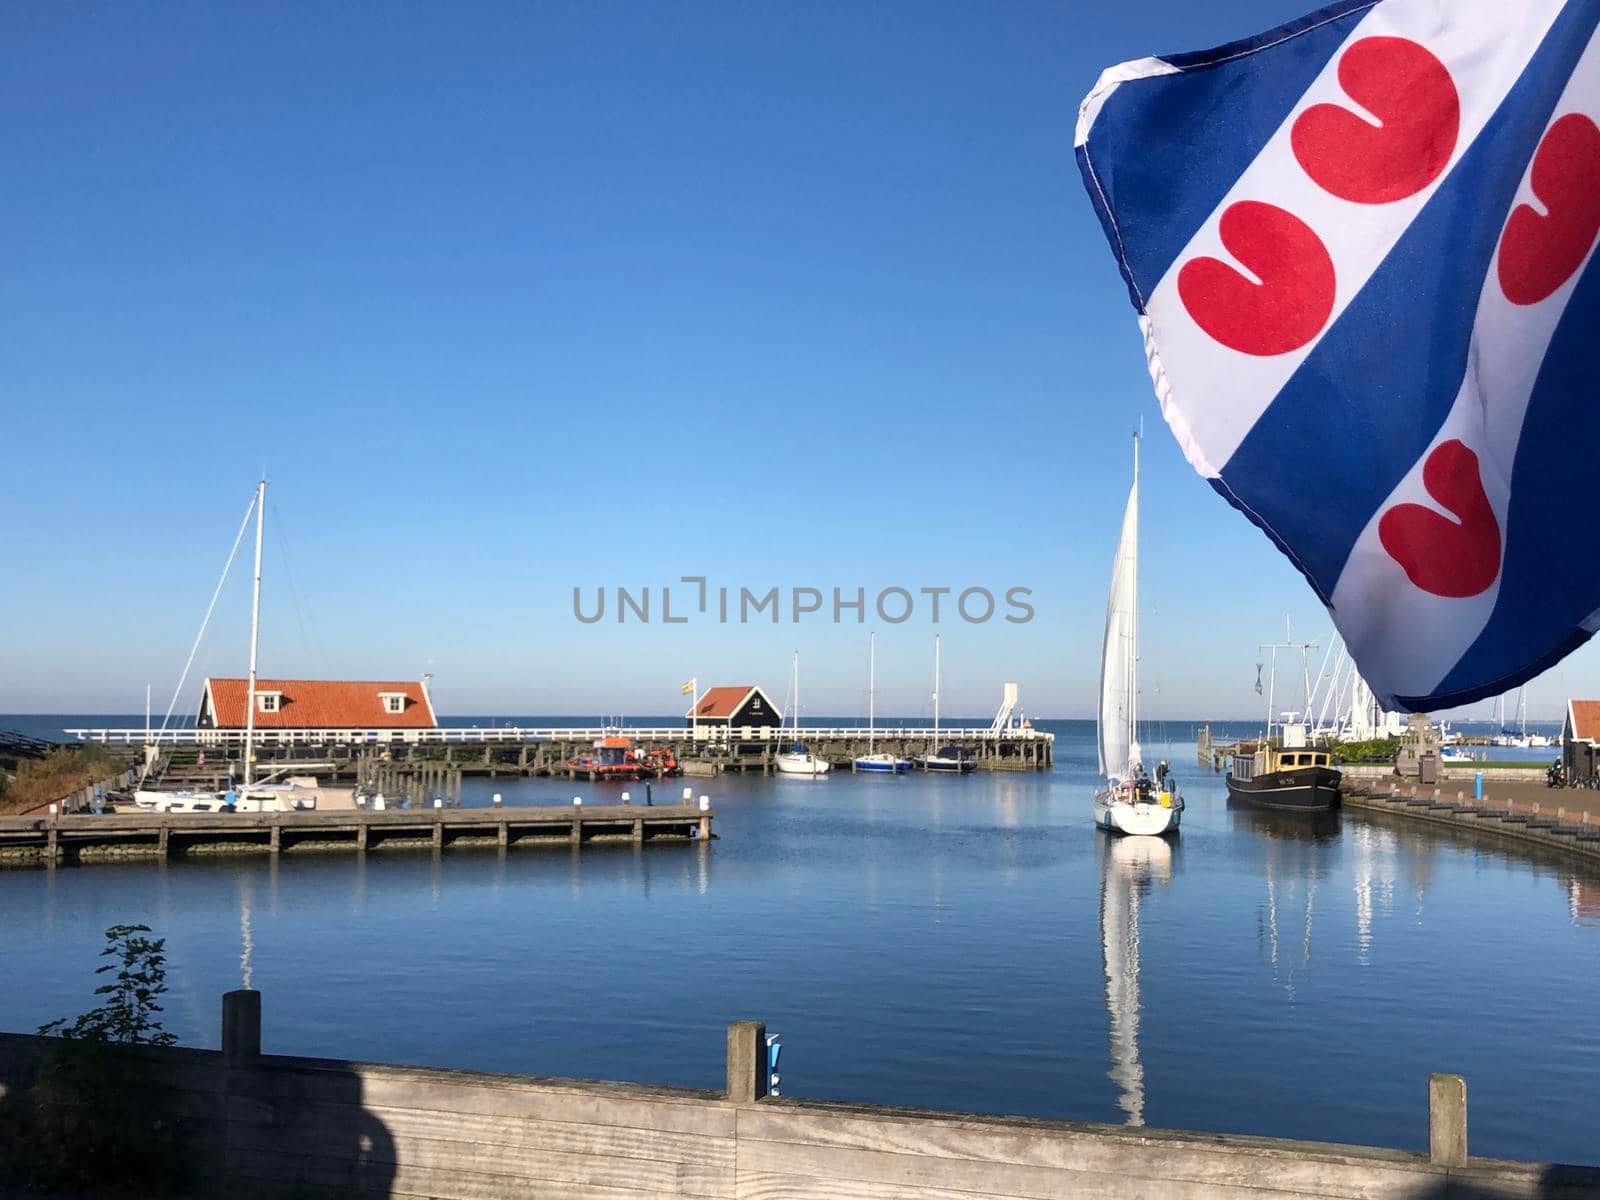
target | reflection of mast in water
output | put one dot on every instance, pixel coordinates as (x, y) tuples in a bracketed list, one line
[(1374, 867), (1127, 865), (246, 936), (1282, 836)]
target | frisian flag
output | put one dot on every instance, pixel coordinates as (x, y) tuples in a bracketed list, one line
[(1361, 248)]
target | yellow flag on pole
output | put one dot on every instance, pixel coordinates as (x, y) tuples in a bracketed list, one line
[(687, 688)]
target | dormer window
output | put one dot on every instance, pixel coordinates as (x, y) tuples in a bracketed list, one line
[(269, 702), (393, 702)]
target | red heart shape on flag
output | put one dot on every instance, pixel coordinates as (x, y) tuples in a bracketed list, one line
[(1457, 558), (1538, 254)]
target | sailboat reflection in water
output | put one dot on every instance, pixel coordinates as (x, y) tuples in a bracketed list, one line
[(1128, 865)]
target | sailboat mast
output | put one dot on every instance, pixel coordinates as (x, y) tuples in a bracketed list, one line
[(255, 637), (1133, 616), (872, 687), (936, 688)]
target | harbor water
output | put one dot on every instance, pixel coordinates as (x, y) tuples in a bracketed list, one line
[(966, 943)]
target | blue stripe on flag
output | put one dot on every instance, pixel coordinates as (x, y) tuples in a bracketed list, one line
[(1551, 572), (1335, 443), (1165, 150)]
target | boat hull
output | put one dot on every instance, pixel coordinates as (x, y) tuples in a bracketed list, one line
[(897, 767), (1304, 789), (1138, 820), (955, 766), (802, 764)]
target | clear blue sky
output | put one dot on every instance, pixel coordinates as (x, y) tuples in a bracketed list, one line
[(508, 298)]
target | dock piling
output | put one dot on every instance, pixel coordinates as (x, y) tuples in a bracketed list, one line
[(1447, 1120), (241, 1026), (747, 1061)]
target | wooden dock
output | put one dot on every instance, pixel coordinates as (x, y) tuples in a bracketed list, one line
[(1546, 824), (441, 756), (90, 838)]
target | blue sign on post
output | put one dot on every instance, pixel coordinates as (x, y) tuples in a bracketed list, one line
[(774, 1048), (1477, 783)]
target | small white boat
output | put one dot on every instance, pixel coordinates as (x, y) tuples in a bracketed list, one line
[(178, 801), (797, 760), (889, 764), (1131, 801), (800, 761)]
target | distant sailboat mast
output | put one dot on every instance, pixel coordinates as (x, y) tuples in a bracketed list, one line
[(255, 638), (872, 688)]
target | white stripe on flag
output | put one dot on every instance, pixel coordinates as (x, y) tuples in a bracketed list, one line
[(1407, 639), (1485, 45)]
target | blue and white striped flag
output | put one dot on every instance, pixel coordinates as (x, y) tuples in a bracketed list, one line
[(1361, 247)]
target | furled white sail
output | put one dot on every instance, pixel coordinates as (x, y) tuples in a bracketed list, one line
[(1119, 657)]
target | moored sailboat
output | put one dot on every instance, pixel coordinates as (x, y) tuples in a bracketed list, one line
[(876, 760), (797, 760), (943, 758), (1130, 802)]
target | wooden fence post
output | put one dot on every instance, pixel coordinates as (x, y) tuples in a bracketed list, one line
[(241, 1026), (747, 1061), (1447, 1120)]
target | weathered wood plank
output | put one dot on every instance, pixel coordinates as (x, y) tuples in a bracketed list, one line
[(1140, 1172), (577, 1102), (288, 1168), (368, 1145), (304, 1124), (763, 1185), (1163, 1155)]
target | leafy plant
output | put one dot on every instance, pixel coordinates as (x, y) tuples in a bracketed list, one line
[(90, 1121), (129, 1015)]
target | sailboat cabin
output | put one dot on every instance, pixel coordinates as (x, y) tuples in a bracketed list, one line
[(317, 704), (736, 706)]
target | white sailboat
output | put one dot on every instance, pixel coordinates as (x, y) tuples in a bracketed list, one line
[(891, 764), (797, 760), (944, 758), (251, 797), (1131, 801)]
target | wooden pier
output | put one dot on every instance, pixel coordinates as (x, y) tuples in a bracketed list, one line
[(50, 840), (443, 755)]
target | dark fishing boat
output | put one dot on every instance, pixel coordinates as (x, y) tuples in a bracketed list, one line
[(1267, 774)]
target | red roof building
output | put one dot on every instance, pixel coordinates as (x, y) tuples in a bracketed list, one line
[(1580, 738), (737, 705), (318, 704)]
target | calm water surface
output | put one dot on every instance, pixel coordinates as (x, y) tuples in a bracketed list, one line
[(955, 943)]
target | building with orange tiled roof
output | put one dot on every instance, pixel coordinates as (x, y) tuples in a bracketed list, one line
[(1580, 739), (735, 706), (318, 704)]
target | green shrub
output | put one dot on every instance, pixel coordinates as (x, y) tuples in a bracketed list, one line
[(88, 1124), (1377, 750)]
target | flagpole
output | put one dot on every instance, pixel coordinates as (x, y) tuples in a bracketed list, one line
[(694, 709)]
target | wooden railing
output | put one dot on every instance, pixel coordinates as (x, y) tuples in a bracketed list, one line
[(511, 735)]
